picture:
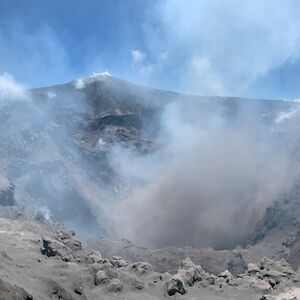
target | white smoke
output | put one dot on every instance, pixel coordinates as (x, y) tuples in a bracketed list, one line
[(222, 47), (287, 115), (46, 212), (206, 186), (80, 83), (10, 89)]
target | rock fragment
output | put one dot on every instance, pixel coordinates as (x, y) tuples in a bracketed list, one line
[(115, 285), (101, 278), (187, 275), (261, 286), (225, 274), (138, 285), (118, 262), (176, 285), (94, 257), (252, 269), (52, 247), (141, 268), (68, 238)]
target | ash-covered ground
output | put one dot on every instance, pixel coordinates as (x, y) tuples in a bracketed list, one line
[(170, 195)]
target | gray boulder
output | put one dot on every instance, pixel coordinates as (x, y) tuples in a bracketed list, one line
[(118, 262), (261, 286), (55, 248), (187, 275), (282, 266), (115, 285), (138, 285), (191, 273), (252, 269), (176, 285), (142, 268), (95, 257), (101, 278), (68, 238), (104, 265), (226, 274)]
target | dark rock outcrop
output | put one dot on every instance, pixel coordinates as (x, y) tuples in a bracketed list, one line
[(52, 247)]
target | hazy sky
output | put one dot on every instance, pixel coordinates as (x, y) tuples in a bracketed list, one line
[(209, 47)]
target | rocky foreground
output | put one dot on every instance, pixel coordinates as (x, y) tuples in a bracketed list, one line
[(40, 259)]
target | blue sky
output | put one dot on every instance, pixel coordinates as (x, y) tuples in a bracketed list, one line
[(209, 47)]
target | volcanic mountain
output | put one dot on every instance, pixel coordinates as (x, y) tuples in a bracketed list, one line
[(214, 179)]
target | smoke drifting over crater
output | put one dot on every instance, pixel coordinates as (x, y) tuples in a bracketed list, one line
[(159, 168), (210, 183)]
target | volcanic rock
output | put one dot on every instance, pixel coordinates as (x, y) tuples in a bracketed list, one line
[(141, 268), (52, 247), (67, 237), (115, 286), (101, 278)]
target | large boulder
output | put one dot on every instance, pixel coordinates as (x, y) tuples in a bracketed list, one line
[(260, 286), (225, 274), (115, 286), (101, 278), (95, 257), (187, 275), (7, 191), (142, 268), (191, 273), (282, 266), (275, 272), (137, 284), (103, 265), (252, 269), (53, 247), (176, 285), (105, 268), (118, 262), (68, 238)]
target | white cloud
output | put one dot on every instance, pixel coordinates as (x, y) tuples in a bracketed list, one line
[(139, 63), (137, 56), (10, 89), (223, 47)]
